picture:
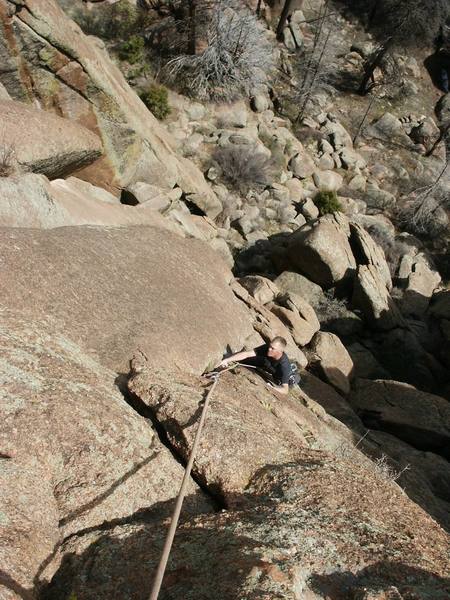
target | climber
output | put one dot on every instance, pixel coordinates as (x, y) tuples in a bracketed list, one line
[(272, 359)]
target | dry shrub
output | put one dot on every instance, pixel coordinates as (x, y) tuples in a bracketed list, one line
[(425, 215), (328, 308), (387, 471), (7, 160), (243, 168), (237, 57)]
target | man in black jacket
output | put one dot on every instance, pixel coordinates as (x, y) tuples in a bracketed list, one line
[(272, 359)]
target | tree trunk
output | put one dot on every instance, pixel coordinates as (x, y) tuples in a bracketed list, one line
[(283, 18), (192, 36), (370, 67)]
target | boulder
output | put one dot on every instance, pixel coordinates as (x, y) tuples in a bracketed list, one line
[(350, 159), (425, 476), (368, 252), (75, 456), (32, 201), (309, 210), (332, 360), (296, 191), (71, 74), (322, 252), (259, 103), (389, 127), (371, 296), (329, 181), (419, 284), (302, 165), (299, 317), (260, 288), (127, 288), (338, 135), (241, 435), (45, 143), (299, 285), (141, 192), (418, 418)]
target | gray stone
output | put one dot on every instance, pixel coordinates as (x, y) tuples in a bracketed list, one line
[(302, 165), (327, 180)]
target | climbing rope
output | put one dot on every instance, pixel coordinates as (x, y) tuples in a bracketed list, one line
[(214, 376)]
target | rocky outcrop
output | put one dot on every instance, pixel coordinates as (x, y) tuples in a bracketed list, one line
[(316, 528), (44, 143), (420, 419), (330, 357), (75, 457), (371, 296), (248, 427), (49, 60), (33, 201), (126, 288), (322, 252)]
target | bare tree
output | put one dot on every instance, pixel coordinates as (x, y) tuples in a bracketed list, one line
[(398, 25), (283, 18), (237, 56), (424, 212), (314, 65)]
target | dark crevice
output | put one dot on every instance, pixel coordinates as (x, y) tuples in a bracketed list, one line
[(194, 209), (128, 198), (218, 501), (419, 438)]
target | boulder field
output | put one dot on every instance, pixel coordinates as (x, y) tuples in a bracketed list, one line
[(129, 265)]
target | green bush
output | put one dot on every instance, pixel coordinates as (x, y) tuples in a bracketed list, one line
[(133, 50), (156, 100), (327, 202)]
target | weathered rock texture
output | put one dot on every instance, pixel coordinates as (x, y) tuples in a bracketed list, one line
[(312, 529), (332, 360), (46, 58), (74, 456), (32, 201), (118, 289), (322, 252), (45, 143), (418, 418), (247, 428)]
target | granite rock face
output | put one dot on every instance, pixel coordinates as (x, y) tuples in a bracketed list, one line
[(74, 456), (47, 59), (119, 289), (46, 143)]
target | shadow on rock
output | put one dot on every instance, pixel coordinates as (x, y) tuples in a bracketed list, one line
[(371, 583), (121, 563)]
